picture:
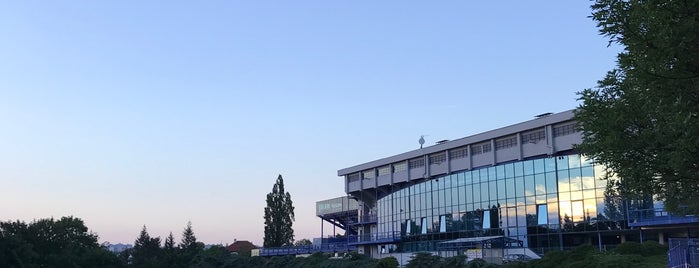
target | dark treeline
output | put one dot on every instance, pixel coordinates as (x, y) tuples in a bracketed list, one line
[(68, 243)]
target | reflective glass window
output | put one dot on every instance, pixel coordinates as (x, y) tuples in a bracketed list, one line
[(553, 212), (486, 219), (540, 183), (551, 182), (562, 162), (575, 179), (529, 188), (442, 223), (563, 181), (500, 171), (501, 189), (577, 211), (510, 187), (493, 190), (550, 164), (573, 161), (588, 178), (539, 166), (542, 214), (484, 192), (519, 186), (528, 167), (519, 169)]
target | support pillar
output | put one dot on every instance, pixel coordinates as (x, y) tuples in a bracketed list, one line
[(661, 238)]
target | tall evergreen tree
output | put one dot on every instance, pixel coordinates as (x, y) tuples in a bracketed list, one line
[(642, 121), (189, 247), (169, 251), (146, 251), (279, 217)]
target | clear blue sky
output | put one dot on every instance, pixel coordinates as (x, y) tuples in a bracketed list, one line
[(126, 113)]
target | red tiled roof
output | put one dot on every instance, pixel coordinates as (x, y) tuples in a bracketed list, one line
[(241, 245)]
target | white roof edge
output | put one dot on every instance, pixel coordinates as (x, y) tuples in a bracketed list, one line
[(473, 139)]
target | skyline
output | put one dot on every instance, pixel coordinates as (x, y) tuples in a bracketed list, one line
[(132, 114)]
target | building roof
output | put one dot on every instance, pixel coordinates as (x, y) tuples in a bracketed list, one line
[(241, 245), (544, 120)]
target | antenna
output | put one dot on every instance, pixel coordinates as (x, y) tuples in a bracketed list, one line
[(421, 140)]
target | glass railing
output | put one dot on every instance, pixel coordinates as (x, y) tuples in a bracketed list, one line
[(658, 216), (374, 238)]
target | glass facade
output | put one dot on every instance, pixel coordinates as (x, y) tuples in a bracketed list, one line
[(547, 203)]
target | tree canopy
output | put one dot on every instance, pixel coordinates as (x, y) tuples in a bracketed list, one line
[(279, 217), (641, 120)]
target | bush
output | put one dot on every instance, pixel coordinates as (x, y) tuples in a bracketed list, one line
[(388, 262)]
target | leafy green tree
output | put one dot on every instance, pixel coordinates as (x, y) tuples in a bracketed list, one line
[(388, 262), (146, 251), (52, 243), (424, 259), (642, 120), (213, 257), (279, 217), (303, 242)]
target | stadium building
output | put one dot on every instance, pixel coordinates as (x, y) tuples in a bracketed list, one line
[(520, 190)]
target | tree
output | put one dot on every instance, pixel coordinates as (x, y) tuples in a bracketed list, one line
[(641, 121), (52, 243), (189, 247), (169, 251), (303, 242), (424, 259), (279, 216), (146, 250)]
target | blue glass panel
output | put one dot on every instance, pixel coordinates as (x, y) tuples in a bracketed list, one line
[(519, 169), (500, 171), (561, 162), (528, 167), (550, 164), (539, 166), (501, 189)]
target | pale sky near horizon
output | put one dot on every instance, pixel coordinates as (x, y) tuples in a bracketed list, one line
[(132, 113)]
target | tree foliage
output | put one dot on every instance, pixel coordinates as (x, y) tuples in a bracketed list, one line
[(146, 251), (279, 217), (189, 247), (52, 243), (641, 121)]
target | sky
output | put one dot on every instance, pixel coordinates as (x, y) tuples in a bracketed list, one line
[(156, 113)]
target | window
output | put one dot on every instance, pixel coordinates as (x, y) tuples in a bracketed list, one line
[(438, 158), (487, 147), (486, 219), (385, 170), (577, 211), (533, 136), (408, 227), (443, 224), (368, 174), (353, 177), (476, 149), (480, 148), (541, 214), (416, 163), (505, 143), (458, 153), (424, 226), (397, 167), (563, 130)]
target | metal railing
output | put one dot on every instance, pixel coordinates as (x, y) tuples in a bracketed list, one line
[(310, 249)]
